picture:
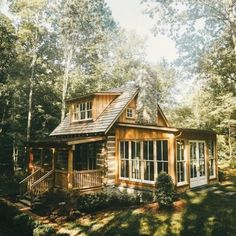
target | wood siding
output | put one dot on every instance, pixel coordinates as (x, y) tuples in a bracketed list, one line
[(123, 117), (125, 133), (100, 102)]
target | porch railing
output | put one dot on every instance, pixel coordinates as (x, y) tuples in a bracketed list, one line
[(42, 185), (61, 179), (26, 184), (87, 179)]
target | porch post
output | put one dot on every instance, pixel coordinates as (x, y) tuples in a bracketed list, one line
[(70, 167), (42, 157), (53, 159)]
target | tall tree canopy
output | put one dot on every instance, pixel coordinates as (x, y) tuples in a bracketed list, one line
[(193, 24)]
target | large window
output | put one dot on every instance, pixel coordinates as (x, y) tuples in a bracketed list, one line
[(124, 157), (148, 160), (85, 156), (162, 156), (135, 160), (143, 160), (82, 111), (211, 149), (181, 162)]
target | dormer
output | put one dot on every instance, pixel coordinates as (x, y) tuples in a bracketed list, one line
[(88, 108)]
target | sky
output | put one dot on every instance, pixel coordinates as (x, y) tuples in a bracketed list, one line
[(129, 15)]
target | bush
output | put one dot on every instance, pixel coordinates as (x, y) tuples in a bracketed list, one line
[(22, 224), (44, 230), (165, 193), (105, 199)]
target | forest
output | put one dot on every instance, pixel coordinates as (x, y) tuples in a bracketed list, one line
[(52, 50)]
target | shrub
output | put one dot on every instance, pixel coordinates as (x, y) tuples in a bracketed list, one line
[(165, 192), (105, 199), (23, 223), (146, 196), (44, 230)]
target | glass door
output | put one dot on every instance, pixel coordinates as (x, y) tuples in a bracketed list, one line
[(197, 164)]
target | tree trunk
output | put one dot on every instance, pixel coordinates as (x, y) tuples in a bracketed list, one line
[(30, 97), (67, 56)]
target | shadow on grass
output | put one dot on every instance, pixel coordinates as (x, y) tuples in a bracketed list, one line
[(211, 211)]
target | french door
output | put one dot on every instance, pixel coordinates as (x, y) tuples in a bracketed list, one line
[(198, 175)]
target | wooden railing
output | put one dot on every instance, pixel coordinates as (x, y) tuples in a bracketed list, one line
[(26, 184), (87, 179), (42, 185), (61, 179)]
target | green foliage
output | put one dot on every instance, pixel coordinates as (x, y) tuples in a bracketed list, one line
[(22, 224), (194, 25), (7, 46), (165, 193), (44, 230), (15, 220), (105, 199)]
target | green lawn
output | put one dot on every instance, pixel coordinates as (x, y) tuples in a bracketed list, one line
[(209, 211)]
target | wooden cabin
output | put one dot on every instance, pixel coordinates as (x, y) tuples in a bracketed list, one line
[(103, 141)]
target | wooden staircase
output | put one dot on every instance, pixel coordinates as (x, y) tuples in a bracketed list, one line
[(35, 185)]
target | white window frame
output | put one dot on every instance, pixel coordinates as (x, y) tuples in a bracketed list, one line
[(130, 113), (82, 107), (124, 159), (184, 161), (212, 158), (141, 160), (162, 155)]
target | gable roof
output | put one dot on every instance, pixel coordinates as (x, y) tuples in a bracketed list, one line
[(103, 123)]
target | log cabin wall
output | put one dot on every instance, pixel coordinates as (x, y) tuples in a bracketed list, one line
[(139, 134), (111, 162)]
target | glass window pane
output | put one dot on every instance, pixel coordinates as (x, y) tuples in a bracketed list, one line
[(159, 150), (150, 153), (165, 150)]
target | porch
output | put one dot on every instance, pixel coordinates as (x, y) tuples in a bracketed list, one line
[(74, 167)]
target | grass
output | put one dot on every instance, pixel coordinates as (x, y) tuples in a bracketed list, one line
[(206, 211)]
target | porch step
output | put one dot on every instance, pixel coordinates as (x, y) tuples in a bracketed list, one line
[(25, 202)]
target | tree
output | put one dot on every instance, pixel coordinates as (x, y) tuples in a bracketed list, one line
[(31, 29), (194, 24), (84, 31), (7, 46)]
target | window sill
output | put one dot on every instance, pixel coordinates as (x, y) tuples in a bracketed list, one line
[(212, 177), (137, 180), (182, 184), (130, 118)]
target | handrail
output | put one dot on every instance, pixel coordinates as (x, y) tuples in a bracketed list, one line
[(42, 178), (87, 171), (29, 176)]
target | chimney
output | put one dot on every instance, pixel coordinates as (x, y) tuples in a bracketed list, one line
[(146, 110)]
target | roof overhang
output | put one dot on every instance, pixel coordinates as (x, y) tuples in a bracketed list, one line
[(160, 128), (57, 142)]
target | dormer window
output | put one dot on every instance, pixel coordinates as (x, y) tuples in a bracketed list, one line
[(82, 111), (130, 113)]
